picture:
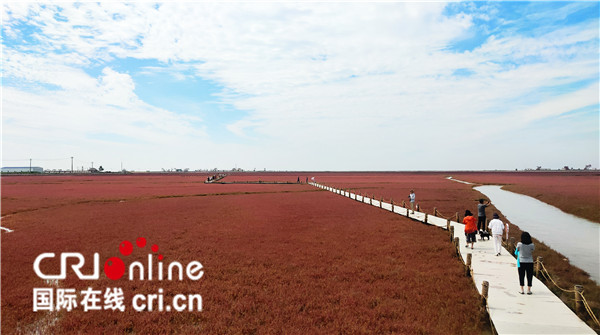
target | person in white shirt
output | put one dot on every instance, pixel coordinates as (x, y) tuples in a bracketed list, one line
[(411, 198), (497, 228)]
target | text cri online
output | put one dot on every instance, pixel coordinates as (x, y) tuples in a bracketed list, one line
[(180, 302)]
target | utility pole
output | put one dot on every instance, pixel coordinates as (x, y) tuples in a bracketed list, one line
[(29, 165), (71, 164)]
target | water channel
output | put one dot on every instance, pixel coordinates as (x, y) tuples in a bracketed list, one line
[(576, 238)]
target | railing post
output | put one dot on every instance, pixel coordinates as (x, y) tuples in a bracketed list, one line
[(538, 266), (448, 224), (468, 265), (392, 201), (457, 245), (418, 208), (434, 211), (403, 204), (381, 202), (425, 218), (371, 199), (578, 300), (457, 217), (511, 246), (484, 291), (451, 233)]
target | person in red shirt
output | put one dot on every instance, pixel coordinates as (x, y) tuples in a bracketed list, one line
[(470, 228)]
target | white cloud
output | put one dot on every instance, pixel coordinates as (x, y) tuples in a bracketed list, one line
[(312, 77)]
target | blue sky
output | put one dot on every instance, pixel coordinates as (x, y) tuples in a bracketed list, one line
[(291, 86)]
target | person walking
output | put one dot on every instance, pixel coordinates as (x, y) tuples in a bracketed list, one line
[(497, 228), (411, 198), (470, 228), (481, 214), (524, 253)]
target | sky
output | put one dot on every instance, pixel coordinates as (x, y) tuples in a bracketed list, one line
[(336, 86)]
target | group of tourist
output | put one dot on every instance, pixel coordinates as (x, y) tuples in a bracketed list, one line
[(312, 179), (524, 249), (215, 177)]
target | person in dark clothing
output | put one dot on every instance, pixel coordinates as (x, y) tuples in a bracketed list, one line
[(481, 214)]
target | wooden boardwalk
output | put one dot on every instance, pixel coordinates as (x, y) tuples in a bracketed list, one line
[(511, 313)]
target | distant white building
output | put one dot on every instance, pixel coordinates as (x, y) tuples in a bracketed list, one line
[(22, 169)]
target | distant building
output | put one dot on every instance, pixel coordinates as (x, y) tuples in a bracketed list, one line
[(22, 169)]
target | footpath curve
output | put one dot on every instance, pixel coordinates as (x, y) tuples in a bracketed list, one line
[(510, 312)]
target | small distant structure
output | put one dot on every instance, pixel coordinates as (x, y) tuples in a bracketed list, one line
[(22, 169), (539, 168), (566, 168), (587, 167)]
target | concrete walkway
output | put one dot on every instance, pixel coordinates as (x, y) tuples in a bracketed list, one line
[(511, 313)]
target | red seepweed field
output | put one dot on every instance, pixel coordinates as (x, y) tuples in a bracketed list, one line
[(276, 258), (575, 192)]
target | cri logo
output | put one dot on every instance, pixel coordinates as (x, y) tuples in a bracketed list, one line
[(114, 267)]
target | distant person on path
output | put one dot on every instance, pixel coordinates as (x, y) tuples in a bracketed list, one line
[(497, 228), (411, 198), (470, 228), (524, 253), (298, 180), (307, 180), (481, 214)]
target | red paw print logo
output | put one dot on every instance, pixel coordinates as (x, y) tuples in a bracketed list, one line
[(114, 267)]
